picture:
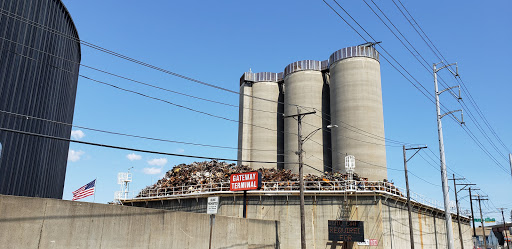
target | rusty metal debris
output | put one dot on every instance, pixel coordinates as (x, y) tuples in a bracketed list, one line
[(214, 172)]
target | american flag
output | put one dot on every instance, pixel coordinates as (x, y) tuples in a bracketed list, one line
[(84, 191)]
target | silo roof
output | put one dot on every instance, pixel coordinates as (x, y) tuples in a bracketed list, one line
[(356, 51)]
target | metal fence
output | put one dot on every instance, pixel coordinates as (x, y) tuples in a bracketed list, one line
[(289, 187)]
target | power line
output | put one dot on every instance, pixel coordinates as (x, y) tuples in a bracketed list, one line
[(133, 149), (469, 132), (123, 134), (441, 58), (426, 68), (181, 106)]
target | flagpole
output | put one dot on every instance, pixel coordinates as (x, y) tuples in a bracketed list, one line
[(95, 185)]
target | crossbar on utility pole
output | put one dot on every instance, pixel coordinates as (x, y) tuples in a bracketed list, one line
[(409, 207), (301, 179)]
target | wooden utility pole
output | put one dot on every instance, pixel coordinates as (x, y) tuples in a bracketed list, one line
[(504, 227), (301, 178), (479, 198), (472, 213), (409, 208), (457, 204)]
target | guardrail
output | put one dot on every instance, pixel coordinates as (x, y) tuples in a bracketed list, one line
[(316, 187)]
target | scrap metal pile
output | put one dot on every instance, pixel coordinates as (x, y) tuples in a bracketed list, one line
[(198, 176)]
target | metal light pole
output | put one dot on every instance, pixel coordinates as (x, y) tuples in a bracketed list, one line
[(409, 208), (444, 177), (509, 158), (301, 179)]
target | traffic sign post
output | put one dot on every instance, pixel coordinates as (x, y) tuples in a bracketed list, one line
[(243, 182), (211, 209)]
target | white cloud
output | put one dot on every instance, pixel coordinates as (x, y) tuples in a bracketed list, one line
[(158, 161), (181, 150), (133, 157), (77, 134), (74, 155), (152, 171)]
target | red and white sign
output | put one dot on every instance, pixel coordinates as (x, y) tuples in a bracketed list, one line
[(245, 181), (368, 242)]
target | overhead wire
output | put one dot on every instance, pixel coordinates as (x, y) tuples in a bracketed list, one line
[(165, 89), (28, 117), (134, 149), (421, 63), (441, 57), (469, 132)]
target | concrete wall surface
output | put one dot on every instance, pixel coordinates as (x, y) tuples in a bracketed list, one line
[(385, 219), (49, 223)]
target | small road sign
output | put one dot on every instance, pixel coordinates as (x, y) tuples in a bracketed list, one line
[(213, 204)]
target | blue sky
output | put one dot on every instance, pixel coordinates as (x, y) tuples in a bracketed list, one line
[(216, 41)]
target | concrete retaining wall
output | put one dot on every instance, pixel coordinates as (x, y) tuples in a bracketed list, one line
[(385, 220), (48, 223)]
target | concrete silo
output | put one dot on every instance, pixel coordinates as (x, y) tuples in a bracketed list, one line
[(305, 87), (245, 121), (263, 129), (356, 107)]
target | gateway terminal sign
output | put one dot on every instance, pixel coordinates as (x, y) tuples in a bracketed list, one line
[(245, 181)]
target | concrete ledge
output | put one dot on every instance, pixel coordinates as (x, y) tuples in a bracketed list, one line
[(48, 223)]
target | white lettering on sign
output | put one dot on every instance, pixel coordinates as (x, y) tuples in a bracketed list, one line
[(244, 181), (368, 242), (213, 204)]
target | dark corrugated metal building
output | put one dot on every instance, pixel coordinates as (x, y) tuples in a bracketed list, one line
[(39, 56)]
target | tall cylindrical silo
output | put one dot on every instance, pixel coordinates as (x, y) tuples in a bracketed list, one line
[(266, 120), (304, 87), (356, 107), (245, 120)]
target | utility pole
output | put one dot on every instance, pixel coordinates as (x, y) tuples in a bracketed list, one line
[(409, 208), (444, 177), (472, 213), (482, 217), (504, 226), (301, 178), (457, 204)]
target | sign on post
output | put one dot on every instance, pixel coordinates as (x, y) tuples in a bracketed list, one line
[(341, 230), (245, 181), (213, 204)]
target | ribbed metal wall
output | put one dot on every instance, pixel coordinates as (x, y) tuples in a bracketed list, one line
[(36, 84)]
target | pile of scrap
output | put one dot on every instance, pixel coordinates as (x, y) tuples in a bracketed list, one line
[(199, 176)]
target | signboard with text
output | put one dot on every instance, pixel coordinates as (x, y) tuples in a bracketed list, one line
[(342, 230), (368, 242), (213, 205), (245, 181), (486, 220)]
